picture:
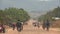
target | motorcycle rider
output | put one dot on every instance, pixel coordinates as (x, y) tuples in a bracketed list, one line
[(19, 25)]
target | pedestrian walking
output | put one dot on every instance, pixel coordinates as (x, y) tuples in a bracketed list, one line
[(47, 25), (13, 25), (44, 25)]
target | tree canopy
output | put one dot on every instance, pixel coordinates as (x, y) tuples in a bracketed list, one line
[(54, 13), (13, 14)]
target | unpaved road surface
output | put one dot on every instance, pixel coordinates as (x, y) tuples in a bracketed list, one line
[(30, 29)]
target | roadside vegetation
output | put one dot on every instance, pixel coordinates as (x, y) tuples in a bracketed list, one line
[(53, 13), (13, 14)]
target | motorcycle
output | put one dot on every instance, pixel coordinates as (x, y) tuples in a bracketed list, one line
[(20, 29), (2, 29)]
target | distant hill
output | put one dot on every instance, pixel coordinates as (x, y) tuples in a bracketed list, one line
[(35, 14)]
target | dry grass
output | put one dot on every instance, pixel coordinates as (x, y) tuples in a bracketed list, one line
[(56, 24)]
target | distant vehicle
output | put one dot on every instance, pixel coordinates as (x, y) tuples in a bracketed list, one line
[(10, 25), (36, 24)]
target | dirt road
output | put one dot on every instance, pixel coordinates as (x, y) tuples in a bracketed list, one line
[(30, 29)]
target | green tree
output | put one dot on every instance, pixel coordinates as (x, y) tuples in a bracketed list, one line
[(50, 14), (13, 14)]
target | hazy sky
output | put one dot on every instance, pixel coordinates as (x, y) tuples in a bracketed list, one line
[(30, 5)]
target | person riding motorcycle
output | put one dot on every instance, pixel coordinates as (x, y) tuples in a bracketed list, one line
[(19, 25)]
